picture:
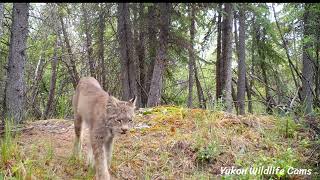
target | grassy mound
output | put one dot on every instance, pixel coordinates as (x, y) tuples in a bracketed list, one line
[(171, 142)]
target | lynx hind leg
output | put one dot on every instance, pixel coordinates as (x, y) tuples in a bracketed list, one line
[(100, 166), (78, 135)]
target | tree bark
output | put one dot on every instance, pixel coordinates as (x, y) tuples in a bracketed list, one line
[(140, 50), (307, 64), (142, 56), (54, 63), (250, 81), (266, 86), (152, 44), (2, 105), (15, 85), (191, 53), (89, 49), (249, 94), (128, 69), (236, 37), (241, 64), (159, 66), (263, 66), (1, 17), (136, 42), (35, 85), (219, 64), (202, 100), (234, 95), (317, 66), (227, 55), (236, 41), (101, 29)]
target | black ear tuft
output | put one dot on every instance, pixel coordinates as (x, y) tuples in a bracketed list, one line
[(133, 100)]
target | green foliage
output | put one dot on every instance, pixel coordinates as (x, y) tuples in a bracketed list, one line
[(12, 161), (317, 111), (208, 153), (49, 152), (219, 105), (64, 107), (285, 159), (286, 126)]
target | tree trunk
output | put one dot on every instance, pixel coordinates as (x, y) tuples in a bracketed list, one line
[(137, 50), (74, 73), (241, 64), (234, 95), (202, 100), (250, 80), (128, 73), (307, 64), (15, 85), (101, 29), (236, 40), (142, 56), (1, 17), (2, 105), (236, 37), (89, 49), (142, 93), (54, 63), (317, 68), (219, 64), (35, 85), (249, 94), (227, 55), (152, 45), (191, 54), (159, 66), (266, 86), (262, 56)]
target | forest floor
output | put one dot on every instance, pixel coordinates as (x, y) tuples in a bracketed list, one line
[(169, 142)]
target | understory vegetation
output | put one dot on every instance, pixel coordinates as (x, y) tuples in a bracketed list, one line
[(167, 142)]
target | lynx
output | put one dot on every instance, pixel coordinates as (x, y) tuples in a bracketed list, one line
[(105, 116)]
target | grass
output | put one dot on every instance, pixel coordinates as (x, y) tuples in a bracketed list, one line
[(180, 144)]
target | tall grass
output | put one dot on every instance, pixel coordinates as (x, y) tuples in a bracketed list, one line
[(9, 153), (8, 145)]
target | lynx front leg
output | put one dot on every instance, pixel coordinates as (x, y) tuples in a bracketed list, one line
[(108, 148), (77, 129), (90, 159), (100, 166)]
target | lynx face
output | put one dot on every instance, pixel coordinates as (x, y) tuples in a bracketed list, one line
[(120, 115)]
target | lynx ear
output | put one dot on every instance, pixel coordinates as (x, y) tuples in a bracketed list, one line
[(133, 100)]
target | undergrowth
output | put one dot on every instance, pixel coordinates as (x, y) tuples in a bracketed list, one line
[(177, 143)]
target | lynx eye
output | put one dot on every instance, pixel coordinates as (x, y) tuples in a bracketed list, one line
[(119, 120)]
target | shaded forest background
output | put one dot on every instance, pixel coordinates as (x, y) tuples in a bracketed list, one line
[(256, 58)]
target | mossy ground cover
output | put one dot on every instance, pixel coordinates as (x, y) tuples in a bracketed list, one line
[(169, 142)]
